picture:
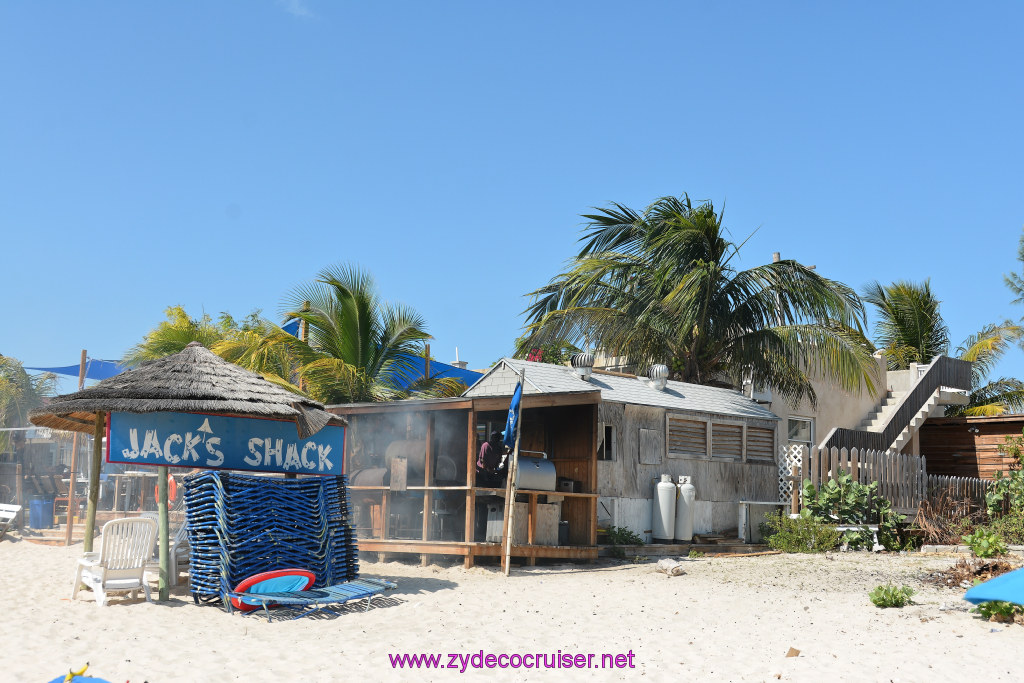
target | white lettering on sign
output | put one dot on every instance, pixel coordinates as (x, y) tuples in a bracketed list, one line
[(171, 457), (133, 441), (277, 450), (151, 445), (291, 457), (216, 458), (173, 445), (254, 458), (322, 451), (306, 462), (190, 447)]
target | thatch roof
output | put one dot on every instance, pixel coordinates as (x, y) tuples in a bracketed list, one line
[(192, 381)]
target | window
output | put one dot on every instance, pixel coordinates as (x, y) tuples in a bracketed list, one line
[(606, 451), (727, 441), (801, 431), (687, 438), (760, 443)]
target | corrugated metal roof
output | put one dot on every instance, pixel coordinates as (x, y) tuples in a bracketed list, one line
[(546, 378)]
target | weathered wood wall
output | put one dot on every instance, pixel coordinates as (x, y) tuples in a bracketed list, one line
[(953, 450), (641, 458)]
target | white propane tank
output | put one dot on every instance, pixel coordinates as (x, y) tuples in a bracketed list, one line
[(684, 510), (663, 518)]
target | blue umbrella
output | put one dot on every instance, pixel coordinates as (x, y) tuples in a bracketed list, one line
[(1007, 587)]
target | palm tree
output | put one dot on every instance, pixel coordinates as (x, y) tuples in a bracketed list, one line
[(20, 392), (175, 333), (910, 329), (359, 348), (659, 286)]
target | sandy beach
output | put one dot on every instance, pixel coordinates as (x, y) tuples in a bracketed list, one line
[(727, 618)]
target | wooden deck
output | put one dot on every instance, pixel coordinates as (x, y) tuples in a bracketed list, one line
[(469, 551)]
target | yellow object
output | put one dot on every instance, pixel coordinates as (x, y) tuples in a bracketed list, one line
[(71, 674)]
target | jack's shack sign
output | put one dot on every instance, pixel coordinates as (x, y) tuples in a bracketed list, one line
[(221, 442)]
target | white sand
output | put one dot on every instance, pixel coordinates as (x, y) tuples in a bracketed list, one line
[(726, 619)]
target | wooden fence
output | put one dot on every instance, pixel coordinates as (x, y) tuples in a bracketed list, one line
[(902, 479), (957, 488)]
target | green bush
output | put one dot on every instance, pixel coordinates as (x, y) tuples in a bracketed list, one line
[(1009, 488), (620, 535), (985, 543), (998, 610), (891, 595), (845, 501), (1009, 527), (805, 534)]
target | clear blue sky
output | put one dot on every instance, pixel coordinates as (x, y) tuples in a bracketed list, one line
[(214, 155)]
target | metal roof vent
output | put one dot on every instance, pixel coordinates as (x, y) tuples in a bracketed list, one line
[(582, 364), (659, 376)]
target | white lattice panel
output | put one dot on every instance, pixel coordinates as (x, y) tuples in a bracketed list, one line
[(789, 456)]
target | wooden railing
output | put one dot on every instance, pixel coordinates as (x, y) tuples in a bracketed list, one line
[(943, 371)]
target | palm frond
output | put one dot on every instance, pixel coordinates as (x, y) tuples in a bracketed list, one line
[(1014, 281), (658, 286)]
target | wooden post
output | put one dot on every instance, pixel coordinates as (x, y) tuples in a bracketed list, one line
[(19, 492), (165, 554), (428, 481), (303, 336), (531, 527), (593, 478), (74, 458), (470, 485), (794, 474), (426, 361), (99, 427), (512, 484)]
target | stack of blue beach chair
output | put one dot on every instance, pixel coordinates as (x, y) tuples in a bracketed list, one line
[(240, 525)]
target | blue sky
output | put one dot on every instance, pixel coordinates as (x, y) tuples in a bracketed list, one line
[(215, 155)]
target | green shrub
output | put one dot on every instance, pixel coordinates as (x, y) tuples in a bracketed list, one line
[(845, 501), (891, 595), (985, 543), (998, 610), (805, 534), (1008, 490), (620, 535), (1008, 527)]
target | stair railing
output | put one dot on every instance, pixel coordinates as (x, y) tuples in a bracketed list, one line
[(943, 371)]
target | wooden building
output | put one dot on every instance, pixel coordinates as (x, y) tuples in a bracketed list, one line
[(645, 428), (413, 477), (968, 446)]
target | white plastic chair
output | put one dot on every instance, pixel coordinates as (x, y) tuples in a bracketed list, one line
[(7, 515), (120, 565), (179, 554)]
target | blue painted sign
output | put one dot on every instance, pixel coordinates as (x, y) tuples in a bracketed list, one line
[(222, 442)]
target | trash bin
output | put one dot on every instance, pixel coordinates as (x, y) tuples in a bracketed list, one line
[(40, 513)]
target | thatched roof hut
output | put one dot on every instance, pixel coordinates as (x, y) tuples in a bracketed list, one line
[(192, 381)]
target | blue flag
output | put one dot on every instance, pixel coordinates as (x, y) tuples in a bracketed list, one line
[(513, 417)]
